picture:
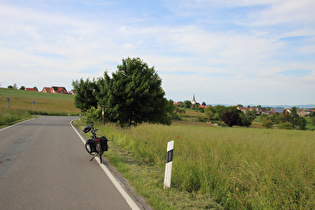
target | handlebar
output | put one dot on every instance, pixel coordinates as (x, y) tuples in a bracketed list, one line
[(91, 128)]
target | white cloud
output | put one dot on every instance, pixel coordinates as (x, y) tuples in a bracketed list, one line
[(284, 12), (235, 62), (208, 51)]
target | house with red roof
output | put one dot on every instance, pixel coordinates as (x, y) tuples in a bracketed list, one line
[(244, 109), (62, 90), (178, 104), (32, 89), (55, 89), (46, 90)]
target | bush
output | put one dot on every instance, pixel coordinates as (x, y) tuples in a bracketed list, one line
[(285, 126), (266, 122), (301, 122), (93, 114), (246, 121)]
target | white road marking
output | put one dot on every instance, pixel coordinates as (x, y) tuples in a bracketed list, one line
[(122, 191), (2, 129)]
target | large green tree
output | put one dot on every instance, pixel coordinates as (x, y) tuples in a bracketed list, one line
[(232, 118), (187, 104), (216, 112), (301, 123), (134, 95), (85, 91), (211, 113)]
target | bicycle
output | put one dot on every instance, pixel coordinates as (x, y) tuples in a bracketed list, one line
[(95, 146)]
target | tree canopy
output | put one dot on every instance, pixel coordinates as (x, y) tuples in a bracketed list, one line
[(131, 95), (232, 118), (187, 104), (85, 94)]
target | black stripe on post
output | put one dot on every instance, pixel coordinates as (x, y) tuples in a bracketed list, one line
[(169, 156)]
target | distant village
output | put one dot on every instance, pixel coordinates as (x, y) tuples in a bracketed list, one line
[(53, 89), (259, 110)]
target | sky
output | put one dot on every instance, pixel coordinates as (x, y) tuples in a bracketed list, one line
[(223, 52)]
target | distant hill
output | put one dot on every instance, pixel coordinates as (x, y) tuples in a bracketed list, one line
[(309, 106)]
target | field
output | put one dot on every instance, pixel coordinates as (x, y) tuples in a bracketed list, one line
[(237, 168), (213, 167), (46, 103)]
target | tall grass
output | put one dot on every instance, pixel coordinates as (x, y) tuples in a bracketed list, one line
[(239, 167), (9, 116)]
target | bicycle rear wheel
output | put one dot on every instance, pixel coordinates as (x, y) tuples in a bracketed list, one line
[(99, 151)]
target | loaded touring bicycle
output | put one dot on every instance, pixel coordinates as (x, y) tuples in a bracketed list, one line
[(95, 146)]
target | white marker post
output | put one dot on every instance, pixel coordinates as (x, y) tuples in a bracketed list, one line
[(169, 162)]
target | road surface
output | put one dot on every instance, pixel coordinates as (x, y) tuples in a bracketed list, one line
[(44, 165)]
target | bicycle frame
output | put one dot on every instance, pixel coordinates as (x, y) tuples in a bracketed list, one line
[(95, 140)]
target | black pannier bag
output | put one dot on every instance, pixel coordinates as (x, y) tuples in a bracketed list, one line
[(103, 142), (92, 145)]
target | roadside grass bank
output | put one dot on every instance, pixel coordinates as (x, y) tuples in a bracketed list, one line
[(237, 168), (9, 117), (146, 178), (46, 103)]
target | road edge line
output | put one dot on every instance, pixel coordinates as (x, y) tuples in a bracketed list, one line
[(4, 128), (118, 186)]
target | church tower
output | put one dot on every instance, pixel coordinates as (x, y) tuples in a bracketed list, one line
[(193, 102)]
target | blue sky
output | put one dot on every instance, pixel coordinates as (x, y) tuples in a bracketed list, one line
[(224, 52)]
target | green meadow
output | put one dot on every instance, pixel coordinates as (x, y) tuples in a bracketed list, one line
[(46, 103), (21, 106), (215, 167)]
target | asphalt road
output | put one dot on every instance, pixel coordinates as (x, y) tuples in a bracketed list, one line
[(44, 165)]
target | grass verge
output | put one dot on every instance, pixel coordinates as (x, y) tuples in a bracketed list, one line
[(10, 116), (240, 168), (147, 178)]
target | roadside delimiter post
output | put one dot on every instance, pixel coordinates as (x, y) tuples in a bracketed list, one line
[(103, 114), (169, 162)]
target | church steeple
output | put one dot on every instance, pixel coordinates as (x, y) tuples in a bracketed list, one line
[(193, 102)]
